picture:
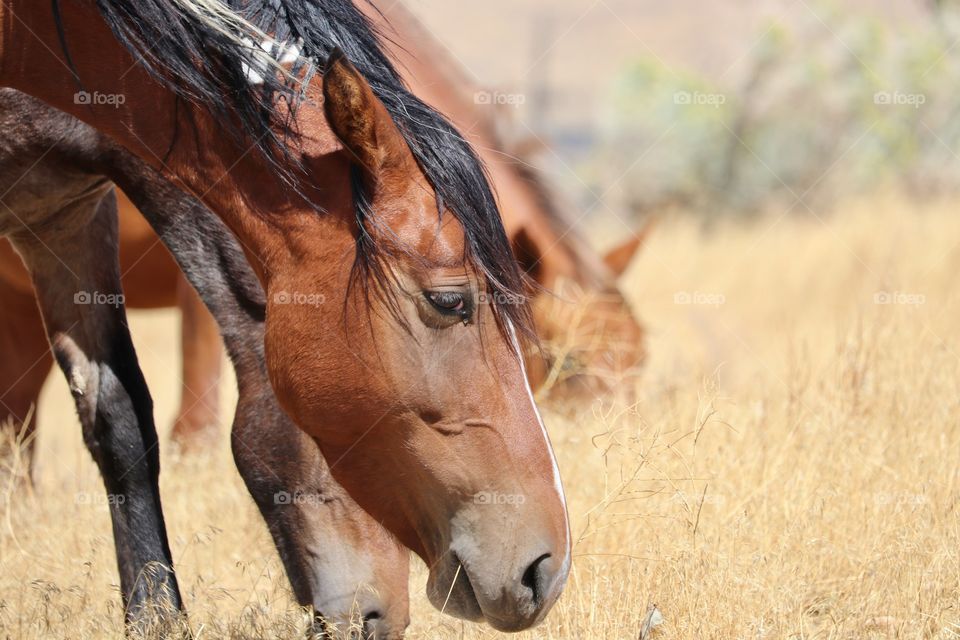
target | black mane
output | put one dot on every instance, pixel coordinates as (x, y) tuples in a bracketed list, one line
[(200, 63)]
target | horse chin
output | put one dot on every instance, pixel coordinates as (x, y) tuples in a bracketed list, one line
[(460, 600)]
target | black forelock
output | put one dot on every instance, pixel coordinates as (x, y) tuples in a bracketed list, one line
[(205, 66)]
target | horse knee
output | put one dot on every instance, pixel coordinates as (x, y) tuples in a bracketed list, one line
[(110, 406), (81, 374)]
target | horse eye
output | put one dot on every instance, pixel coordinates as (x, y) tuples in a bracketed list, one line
[(447, 301), (450, 303)]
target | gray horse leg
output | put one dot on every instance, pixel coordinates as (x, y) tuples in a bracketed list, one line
[(73, 263)]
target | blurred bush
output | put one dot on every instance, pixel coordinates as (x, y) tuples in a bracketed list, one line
[(832, 106)]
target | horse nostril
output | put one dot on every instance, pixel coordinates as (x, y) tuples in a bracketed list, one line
[(372, 615), (534, 579)]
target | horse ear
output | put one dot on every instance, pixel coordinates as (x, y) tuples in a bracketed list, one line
[(355, 114), (528, 254), (619, 258)]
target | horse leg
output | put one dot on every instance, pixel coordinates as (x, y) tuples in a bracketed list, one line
[(197, 422), (25, 362), (77, 283)]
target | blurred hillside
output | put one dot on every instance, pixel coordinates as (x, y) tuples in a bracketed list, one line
[(719, 104), (575, 48)]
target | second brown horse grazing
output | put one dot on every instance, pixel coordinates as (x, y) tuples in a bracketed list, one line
[(357, 197)]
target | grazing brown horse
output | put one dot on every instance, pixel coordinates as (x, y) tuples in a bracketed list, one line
[(371, 227)]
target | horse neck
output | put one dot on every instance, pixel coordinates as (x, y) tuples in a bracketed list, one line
[(180, 140), (32, 60)]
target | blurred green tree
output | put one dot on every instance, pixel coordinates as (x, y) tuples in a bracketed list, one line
[(821, 113)]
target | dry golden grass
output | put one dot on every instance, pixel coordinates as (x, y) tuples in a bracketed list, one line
[(790, 470)]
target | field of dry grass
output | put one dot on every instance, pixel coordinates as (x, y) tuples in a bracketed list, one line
[(790, 470)]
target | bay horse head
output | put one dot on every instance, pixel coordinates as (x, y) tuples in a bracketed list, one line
[(407, 372)]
